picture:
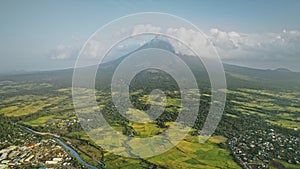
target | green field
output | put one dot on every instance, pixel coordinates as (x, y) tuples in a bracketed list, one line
[(39, 121), (54, 113), (25, 105), (278, 108), (145, 129), (189, 153)]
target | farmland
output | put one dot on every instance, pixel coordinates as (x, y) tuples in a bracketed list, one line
[(47, 107)]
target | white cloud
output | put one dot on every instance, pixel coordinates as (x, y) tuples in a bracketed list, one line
[(63, 52), (231, 45), (142, 28), (94, 49), (189, 37), (263, 46)]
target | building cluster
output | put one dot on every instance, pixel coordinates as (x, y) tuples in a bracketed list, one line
[(45, 153), (62, 123), (256, 149)]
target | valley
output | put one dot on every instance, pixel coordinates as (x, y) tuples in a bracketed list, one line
[(51, 111)]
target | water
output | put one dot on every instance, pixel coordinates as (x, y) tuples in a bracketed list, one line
[(66, 146), (75, 154)]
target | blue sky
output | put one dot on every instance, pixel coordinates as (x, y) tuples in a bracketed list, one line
[(30, 30)]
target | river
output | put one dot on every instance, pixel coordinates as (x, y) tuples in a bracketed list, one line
[(72, 151), (75, 154)]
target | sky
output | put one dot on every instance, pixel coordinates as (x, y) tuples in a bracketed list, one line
[(47, 35)]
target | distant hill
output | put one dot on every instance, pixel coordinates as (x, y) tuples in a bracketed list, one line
[(282, 70), (237, 76)]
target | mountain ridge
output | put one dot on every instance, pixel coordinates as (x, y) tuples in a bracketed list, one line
[(238, 76)]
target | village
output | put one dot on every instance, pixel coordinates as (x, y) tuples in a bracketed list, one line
[(31, 150), (257, 149), (45, 154)]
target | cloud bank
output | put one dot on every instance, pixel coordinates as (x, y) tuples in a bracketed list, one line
[(232, 46), (265, 46), (63, 52)]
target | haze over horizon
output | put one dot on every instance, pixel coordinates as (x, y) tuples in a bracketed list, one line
[(47, 35), (150, 84)]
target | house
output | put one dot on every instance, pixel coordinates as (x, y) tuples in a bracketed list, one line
[(2, 166), (51, 162), (29, 158), (57, 159), (13, 154), (3, 156), (5, 161)]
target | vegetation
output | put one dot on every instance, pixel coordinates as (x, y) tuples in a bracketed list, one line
[(256, 100)]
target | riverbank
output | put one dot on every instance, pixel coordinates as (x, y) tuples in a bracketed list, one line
[(62, 143)]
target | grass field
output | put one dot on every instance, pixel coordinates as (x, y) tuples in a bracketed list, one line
[(189, 153), (145, 130), (286, 123), (278, 108), (25, 105), (231, 115), (39, 121), (112, 161), (280, 164)]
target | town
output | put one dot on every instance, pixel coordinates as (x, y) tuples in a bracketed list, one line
[(20, 148), (256, 149), (44, 153)]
